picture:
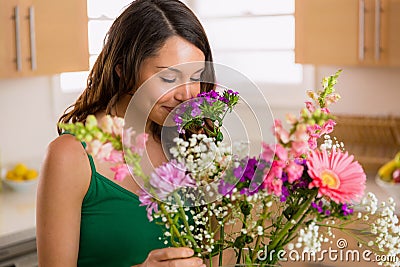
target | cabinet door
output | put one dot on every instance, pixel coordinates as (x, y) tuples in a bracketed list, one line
[(14, 45), (61, 36), (327, 32), (393, 32)]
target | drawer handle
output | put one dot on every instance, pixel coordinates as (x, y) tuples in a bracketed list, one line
[(17, 39), (361, 30), (377, 30), (32, 36)]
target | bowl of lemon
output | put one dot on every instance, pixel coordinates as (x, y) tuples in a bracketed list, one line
[(20, 177), (388, 177)]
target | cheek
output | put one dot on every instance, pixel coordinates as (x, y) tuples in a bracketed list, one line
[(195, 90)]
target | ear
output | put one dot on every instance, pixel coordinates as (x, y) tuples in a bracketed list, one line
[(118, 70)]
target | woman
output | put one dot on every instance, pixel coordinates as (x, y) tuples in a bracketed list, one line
[(84, 217)]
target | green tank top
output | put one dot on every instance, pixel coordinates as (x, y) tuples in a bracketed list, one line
[(114, 229)]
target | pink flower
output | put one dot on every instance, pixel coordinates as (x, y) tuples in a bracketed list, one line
[(336, 175), (281, 152), (273, 178), (121, 171), (325, 110), (280, 133), (314, 130), (267, 153), (299, 148), (169, 177), (328, 126), (312, 143), (294, 171), (310, 106), (273, 184), (151, 204)]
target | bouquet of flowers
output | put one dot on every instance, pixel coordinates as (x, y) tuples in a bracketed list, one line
[(214, 201)]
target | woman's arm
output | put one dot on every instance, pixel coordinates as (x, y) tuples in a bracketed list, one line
[(63, 182)]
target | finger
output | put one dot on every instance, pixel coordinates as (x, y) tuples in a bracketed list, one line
[(171, 253), (188, 262)]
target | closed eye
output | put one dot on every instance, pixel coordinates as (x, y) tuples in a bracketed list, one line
[(168, 80), (195, 79)]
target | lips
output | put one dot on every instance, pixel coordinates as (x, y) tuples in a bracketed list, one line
[(169, 109)]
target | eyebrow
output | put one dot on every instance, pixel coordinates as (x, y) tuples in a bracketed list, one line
[(179, 71)]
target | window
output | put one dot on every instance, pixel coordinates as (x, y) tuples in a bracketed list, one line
[(101, 14), (255, 37)]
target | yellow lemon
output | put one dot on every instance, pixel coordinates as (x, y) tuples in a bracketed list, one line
[(11, 175), (20, 169), (31, 174)]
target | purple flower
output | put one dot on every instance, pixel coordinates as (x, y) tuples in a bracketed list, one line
[(225, 188), (285, 194), (346, 210), (147, 200), (169, 177), (196, 111)]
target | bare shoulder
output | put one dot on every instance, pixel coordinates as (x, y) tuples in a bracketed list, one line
[(66, 165), (63, 182)]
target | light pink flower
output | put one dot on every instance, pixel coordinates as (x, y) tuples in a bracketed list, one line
[(169, 177), (106, 124), (336, 175), (280, 133), (151, 204), (294, 171), (118, 125), (121, 171), (99, 150), (281, 152), (267, 153), (299, 148), (140, 145), (115, 157), (290, 118)]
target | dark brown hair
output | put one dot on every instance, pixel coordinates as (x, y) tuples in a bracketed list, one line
[(137, 34)]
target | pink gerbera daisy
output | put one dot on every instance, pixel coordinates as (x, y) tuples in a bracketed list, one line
[(336, 175)]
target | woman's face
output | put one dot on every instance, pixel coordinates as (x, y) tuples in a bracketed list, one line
[(175, 77)]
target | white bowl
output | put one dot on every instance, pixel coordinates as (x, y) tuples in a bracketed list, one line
[(393, 189), (19, 186)]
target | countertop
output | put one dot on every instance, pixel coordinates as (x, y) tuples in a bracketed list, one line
[(17, 211)]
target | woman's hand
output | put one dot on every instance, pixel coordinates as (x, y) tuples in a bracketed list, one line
[(172, 257)]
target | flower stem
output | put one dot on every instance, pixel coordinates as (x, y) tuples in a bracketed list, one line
[(283, 233), (173, 226), (258, 240), (222, 237), (185, 222)]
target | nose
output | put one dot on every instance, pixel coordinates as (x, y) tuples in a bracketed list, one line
[(183, 92)]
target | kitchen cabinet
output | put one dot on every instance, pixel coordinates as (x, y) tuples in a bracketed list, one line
[(347, 32), (41, 37)]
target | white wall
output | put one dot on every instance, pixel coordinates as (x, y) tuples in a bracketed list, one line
[(28, 119), (365, 91), (29, 107)]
